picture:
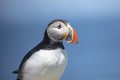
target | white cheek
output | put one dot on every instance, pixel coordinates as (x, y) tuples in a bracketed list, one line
[(52, 33), (55, 33), (62, 31)]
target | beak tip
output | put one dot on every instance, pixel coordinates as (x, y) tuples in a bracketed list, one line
[(75, 37), (77, 42)]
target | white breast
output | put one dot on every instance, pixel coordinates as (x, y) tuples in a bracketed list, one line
[(45, 65)]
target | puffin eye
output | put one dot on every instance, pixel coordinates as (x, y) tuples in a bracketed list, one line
[(59, 26)]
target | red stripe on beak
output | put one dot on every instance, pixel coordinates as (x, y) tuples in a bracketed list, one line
[(74, 37)]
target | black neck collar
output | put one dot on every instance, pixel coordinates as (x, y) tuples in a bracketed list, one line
[(47, 43)]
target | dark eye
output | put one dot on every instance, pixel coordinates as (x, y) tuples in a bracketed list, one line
[(59, 26)]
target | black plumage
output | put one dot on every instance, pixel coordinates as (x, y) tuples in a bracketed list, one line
[(46, 44), (49, 53)]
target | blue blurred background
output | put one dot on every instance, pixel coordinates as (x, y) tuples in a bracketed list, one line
[(97, 22)]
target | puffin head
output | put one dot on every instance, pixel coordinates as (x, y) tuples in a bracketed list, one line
[(61, 30)]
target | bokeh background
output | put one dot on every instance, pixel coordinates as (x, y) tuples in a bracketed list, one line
[(97, 22)]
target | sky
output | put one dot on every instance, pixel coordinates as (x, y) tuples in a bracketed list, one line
[(97, 22)]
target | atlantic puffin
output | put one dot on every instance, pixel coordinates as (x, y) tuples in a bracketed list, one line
[(47, 61)]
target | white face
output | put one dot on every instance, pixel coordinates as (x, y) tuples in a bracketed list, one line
[(56, 31)]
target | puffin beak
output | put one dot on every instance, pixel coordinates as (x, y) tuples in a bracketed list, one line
[(72, 36)]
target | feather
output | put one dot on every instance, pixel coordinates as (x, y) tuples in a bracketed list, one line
[(15, 72)]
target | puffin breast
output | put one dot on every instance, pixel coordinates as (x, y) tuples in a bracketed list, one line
[(45, 65)]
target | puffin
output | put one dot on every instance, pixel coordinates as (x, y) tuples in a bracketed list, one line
[(47, 61)]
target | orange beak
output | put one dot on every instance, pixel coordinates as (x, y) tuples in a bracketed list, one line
[(72, 36)]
